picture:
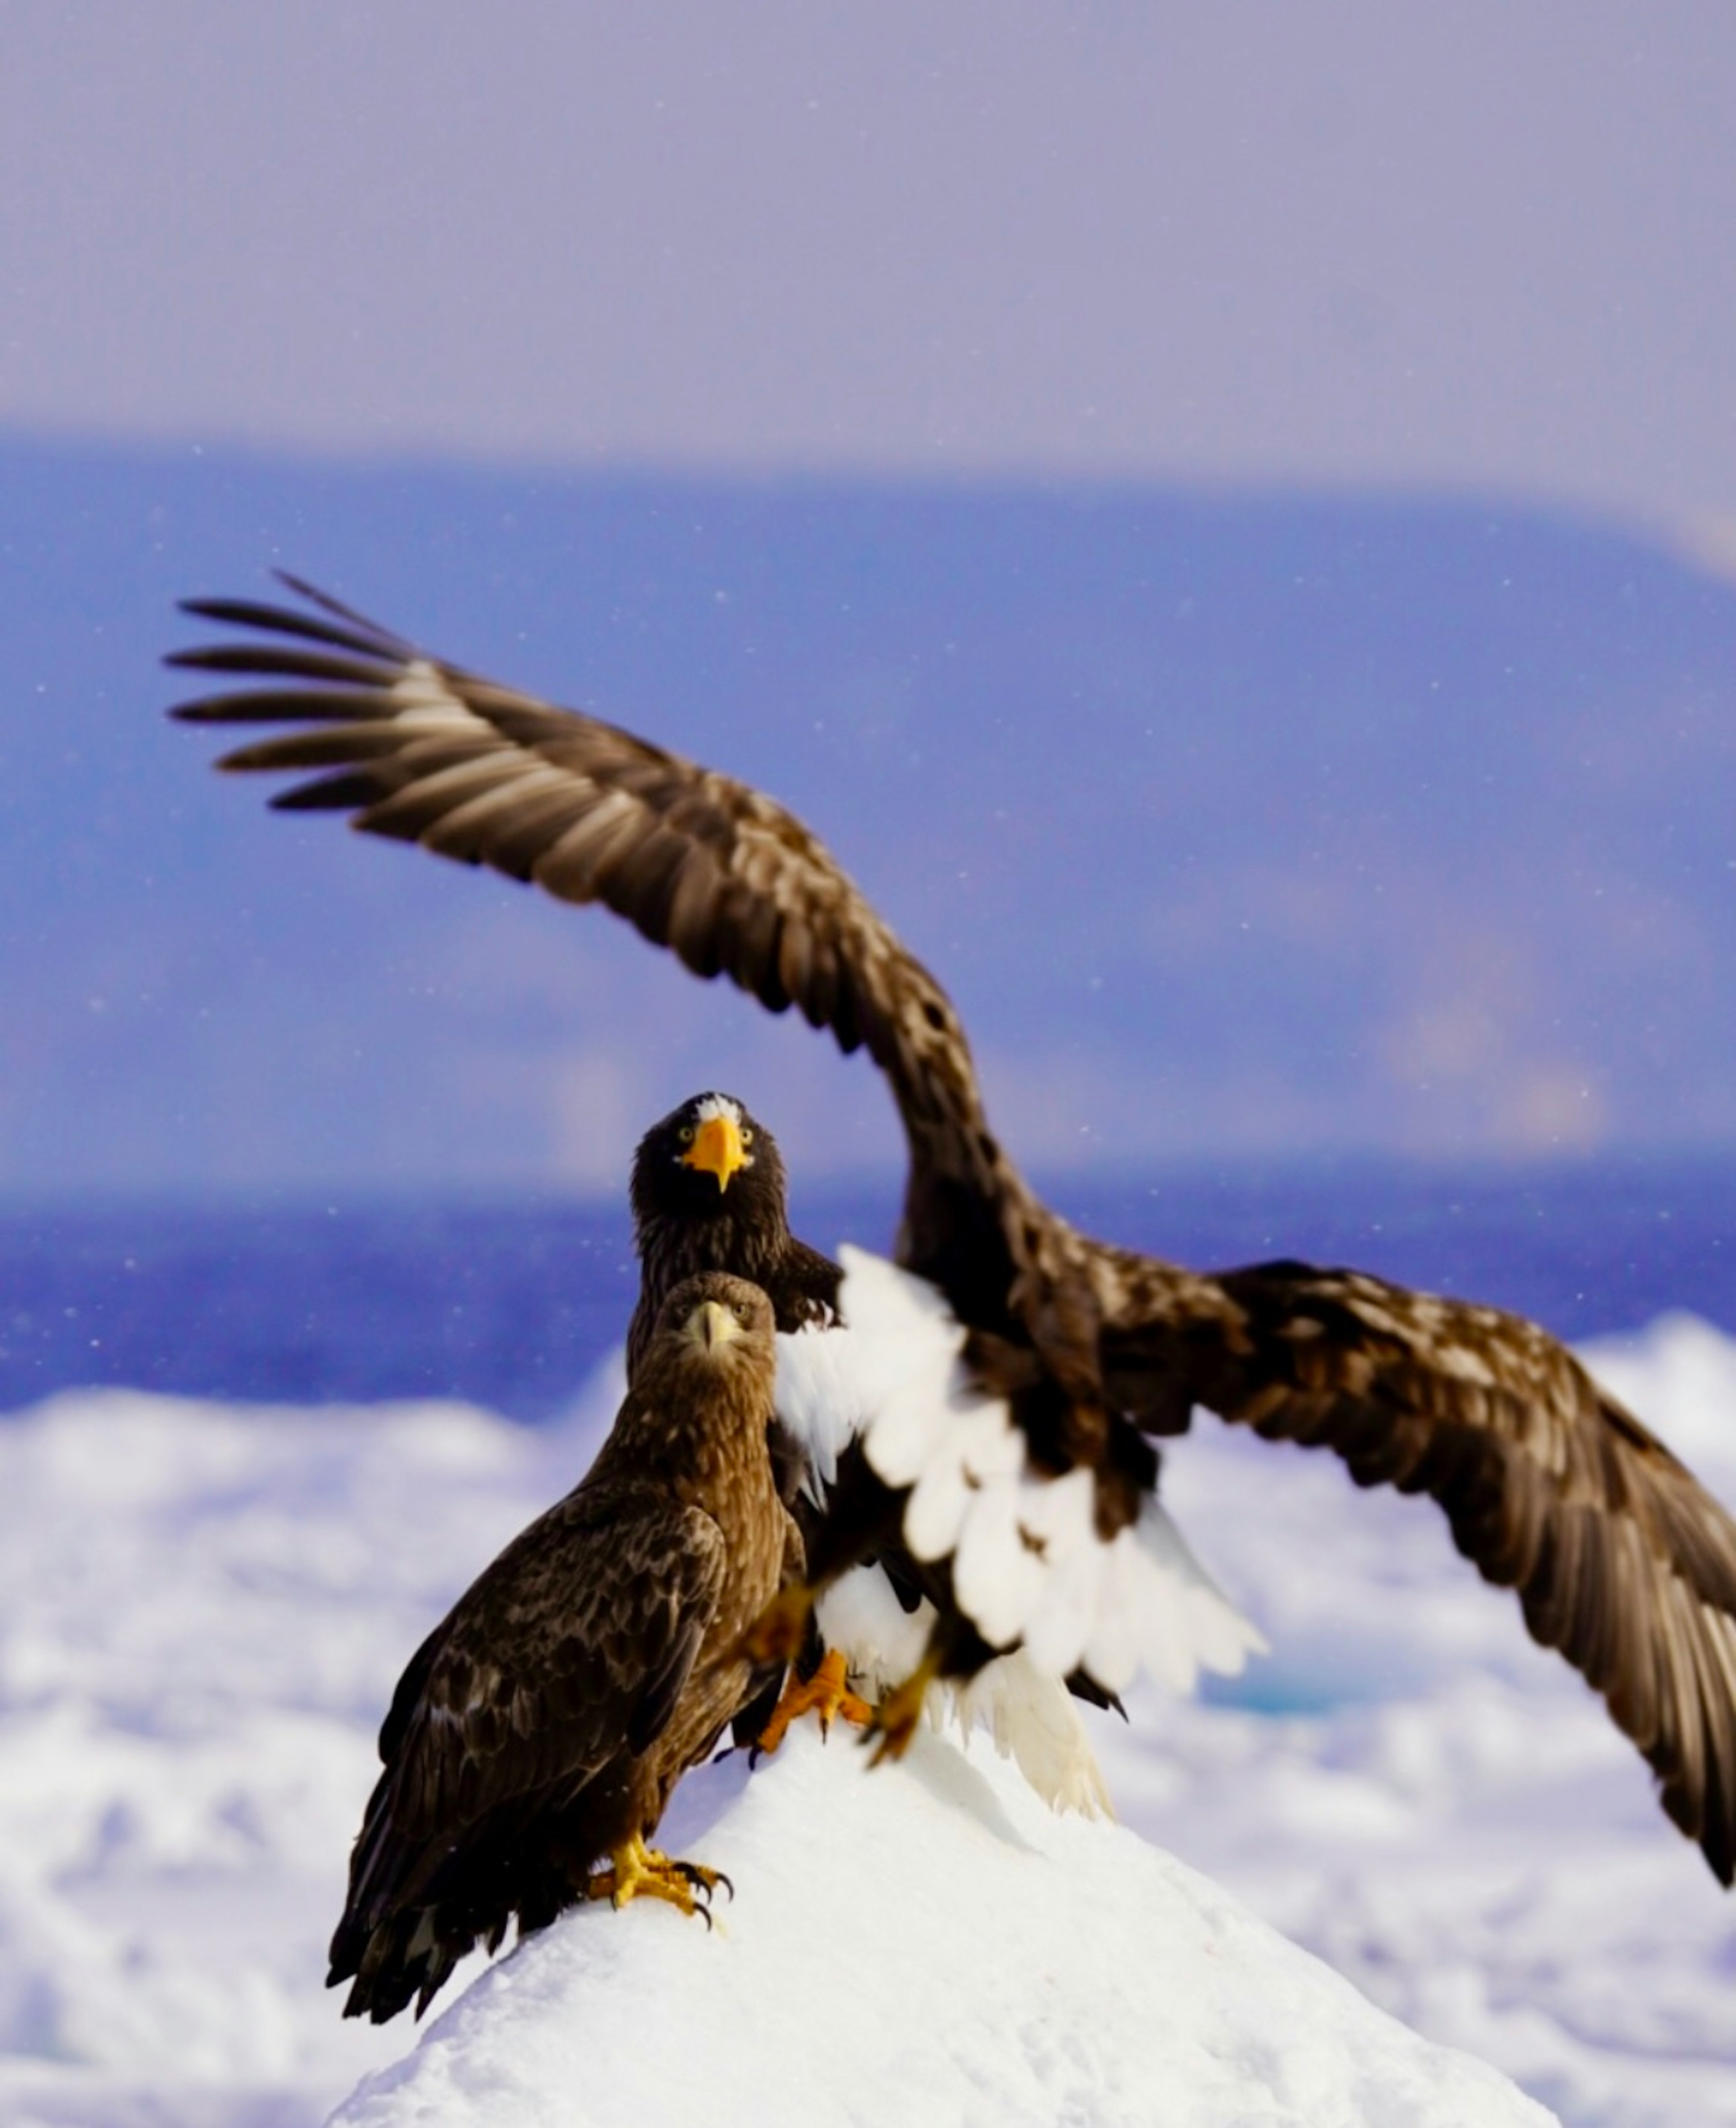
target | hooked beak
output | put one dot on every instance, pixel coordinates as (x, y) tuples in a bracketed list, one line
[(717, 1149), (711, 1324)]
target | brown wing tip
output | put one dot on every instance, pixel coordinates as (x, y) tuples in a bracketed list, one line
[(1709, 1820), (332, 622)]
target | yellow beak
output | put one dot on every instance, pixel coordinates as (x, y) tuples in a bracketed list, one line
[(711, 1324), (717, 1148)]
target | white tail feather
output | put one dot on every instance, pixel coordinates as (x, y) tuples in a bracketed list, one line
[(1217, 1636), (1030, 1714), (1032, 1718), (881, 1643)]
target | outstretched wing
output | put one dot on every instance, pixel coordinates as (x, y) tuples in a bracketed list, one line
[(413, 748), (1621, 1558)]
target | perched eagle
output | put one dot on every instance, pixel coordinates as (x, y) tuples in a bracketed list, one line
[(542, 1725), (709, 1193), (1020, 1376)]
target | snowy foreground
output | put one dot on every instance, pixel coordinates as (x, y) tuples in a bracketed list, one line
[(202, 1611), (927, 1944)]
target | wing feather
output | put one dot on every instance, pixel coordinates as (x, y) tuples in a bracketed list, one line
[(425, 751), (1621, 1560), (558, 1656)]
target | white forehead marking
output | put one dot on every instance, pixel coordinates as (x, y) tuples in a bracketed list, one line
[(712, 1106)]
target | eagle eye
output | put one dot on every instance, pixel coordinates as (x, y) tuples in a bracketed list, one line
[(686, 1133), (747, 1138)]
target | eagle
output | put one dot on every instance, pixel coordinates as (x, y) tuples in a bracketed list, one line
[(542, 1725), (708, 1191), (1021, 1374)]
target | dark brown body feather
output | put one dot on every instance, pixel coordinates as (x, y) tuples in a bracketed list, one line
[(547, 1718), (1620, 1559), (683, 1224)]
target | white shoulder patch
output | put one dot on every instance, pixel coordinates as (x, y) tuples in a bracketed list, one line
[(819, 1398), (1028, 1565)]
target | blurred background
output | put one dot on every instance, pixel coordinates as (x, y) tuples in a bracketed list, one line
[(1224, 519), (1224, 522)]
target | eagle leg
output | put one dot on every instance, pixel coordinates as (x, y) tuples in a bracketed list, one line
[(639, 1872), (896, 1717), (776, 1634), (826, 1693)]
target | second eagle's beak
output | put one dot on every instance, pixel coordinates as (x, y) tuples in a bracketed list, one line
[(717, 1148), (712, 1324)]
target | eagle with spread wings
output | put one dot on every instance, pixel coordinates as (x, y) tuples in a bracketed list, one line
[(1017, 1373)]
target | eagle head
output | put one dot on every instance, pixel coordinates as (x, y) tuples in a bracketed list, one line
[(717, 1320), (707, 1156)]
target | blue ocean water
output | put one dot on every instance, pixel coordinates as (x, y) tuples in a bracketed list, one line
[(511, 1304)]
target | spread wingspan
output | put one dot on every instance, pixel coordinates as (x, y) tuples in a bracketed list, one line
[(1620, 1559)]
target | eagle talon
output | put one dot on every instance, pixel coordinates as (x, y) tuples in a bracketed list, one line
[(704, 1880), (825, 1694), (637, 1871), (896, 1717), (891, 1742)]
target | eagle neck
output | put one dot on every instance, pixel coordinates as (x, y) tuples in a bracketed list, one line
[(736, 1238), (749, 1241), (710, 1458)]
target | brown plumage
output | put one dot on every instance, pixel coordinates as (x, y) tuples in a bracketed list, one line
[(1621, 1561), (542, 1725), (727, 1212), (709, 1193)]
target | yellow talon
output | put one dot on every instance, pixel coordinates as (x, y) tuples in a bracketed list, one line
[(637, 1871), (898, 1714), (825, 1694)]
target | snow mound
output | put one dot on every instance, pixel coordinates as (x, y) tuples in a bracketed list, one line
[(923, 1943)]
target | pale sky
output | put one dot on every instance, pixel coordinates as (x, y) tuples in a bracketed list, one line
[(1486, 246)]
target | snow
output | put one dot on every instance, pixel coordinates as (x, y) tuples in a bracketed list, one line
[(202, 1610), (1004, 1966)]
